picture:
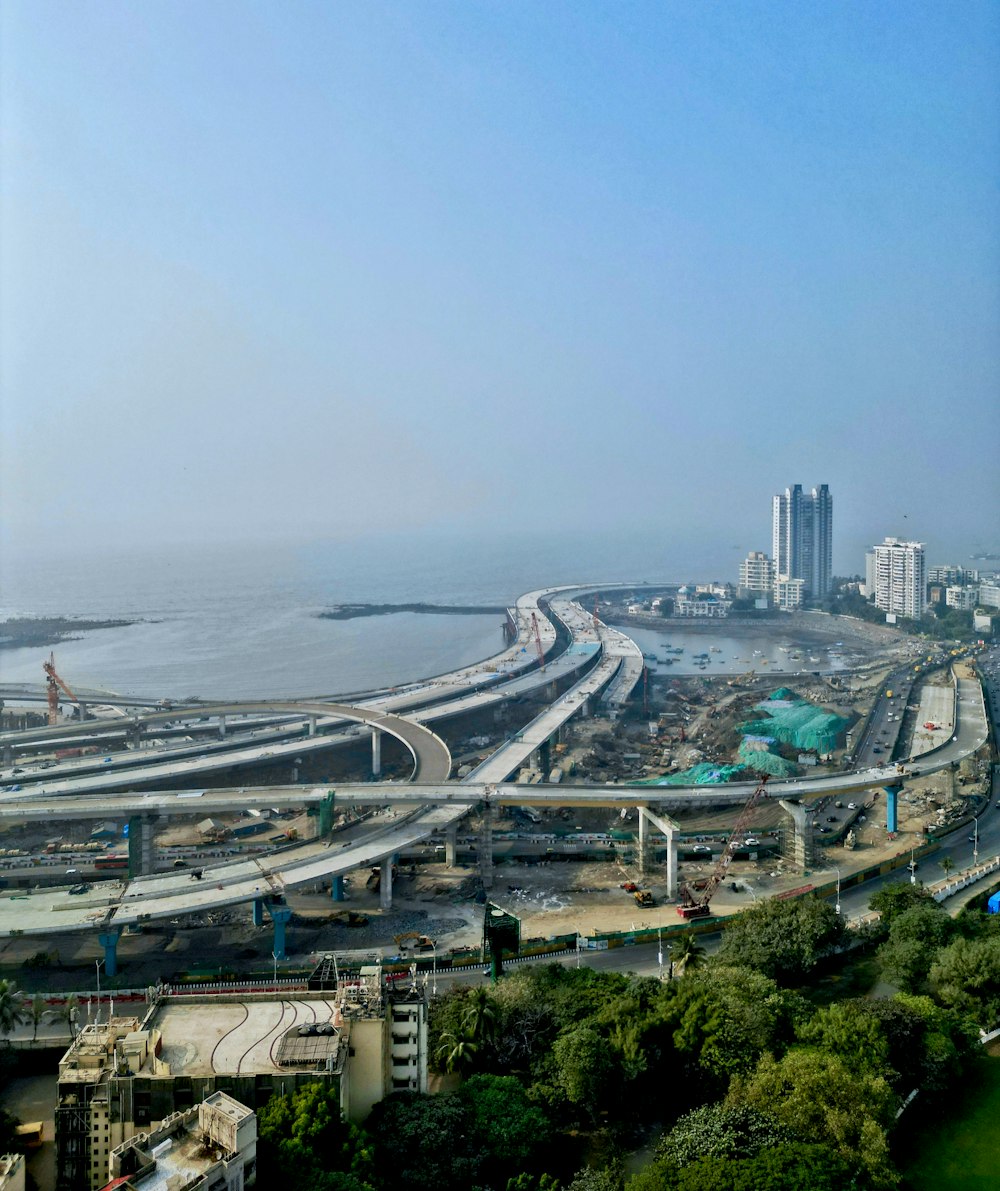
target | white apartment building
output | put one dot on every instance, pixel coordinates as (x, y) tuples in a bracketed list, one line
[(900, 578), (788, 593), (989, 594), (965, 598), (757, 574), (802, 537)]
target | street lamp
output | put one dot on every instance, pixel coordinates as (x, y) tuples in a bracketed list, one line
[(837, 906), (975, 843), (274, 956), (97, 965)]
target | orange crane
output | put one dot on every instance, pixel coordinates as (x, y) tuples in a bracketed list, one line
[(694, 904), (538, 641), (54, 684)]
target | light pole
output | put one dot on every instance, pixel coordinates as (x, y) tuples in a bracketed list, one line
[(274, 956), (837, 906), (975, 843), (97, 966)]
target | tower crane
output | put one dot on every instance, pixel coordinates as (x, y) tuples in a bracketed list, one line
[(694, 904), (55, 684), (538, 641)]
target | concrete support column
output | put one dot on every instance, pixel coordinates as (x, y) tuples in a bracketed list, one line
[(486, 847), (891, 795), (257, 911), (222, 727), (134, 734), (801, 850), (109, 941), (585, 709), (141, 838), (8, 754), (671, 864), (280, 916), (337, 888), (312, 725), (451, 845), (326, 815), (83, 710), (376, 752), (385, 885), (643, 841)]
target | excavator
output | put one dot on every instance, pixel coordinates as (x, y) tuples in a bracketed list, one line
[(414, 941), (55, 684), (694, 903)]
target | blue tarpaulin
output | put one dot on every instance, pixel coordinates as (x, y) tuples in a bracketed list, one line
[(993, 905)]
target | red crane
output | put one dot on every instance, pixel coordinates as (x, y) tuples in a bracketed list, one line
[(54, 684), (694, 903), (538, 641)]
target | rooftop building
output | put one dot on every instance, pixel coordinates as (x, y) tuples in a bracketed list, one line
[(12, 1172), (127, 1076), (756, 574), (212, 1146)]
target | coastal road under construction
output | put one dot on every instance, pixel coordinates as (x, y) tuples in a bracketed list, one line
[(428, 806)]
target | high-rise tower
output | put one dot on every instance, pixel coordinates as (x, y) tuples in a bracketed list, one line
[(802, 537)]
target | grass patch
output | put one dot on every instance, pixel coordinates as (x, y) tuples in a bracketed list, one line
[(956, 1150)]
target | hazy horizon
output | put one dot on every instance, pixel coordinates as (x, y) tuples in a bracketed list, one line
[(310, 272)]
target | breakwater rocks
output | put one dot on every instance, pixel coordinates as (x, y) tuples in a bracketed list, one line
[(34, 631), (353, 611)]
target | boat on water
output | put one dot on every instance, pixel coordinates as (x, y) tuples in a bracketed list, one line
[(714, 649), (650, 657)]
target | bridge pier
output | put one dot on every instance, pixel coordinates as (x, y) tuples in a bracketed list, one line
[(8, 754), (385, 885), (891, 796), (801, 850), (134, 734), (141, 838), (312, 725), (376, 752), (109, 941), (486, 846), (257, 911), (451, 845), (643, 842), (280, 916), (222, 727), (670, 830), (83, 711), (326, 815), (337, 888)]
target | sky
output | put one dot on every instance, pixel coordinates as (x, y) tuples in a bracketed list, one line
[(340, 269)]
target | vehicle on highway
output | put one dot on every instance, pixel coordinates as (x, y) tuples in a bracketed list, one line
[(79, 889)]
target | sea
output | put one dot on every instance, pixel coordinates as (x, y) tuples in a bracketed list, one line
[(240, 620)]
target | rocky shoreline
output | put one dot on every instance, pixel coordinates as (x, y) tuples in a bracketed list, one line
[(35, 631)]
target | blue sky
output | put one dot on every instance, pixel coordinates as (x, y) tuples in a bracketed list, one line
[(334, 269)]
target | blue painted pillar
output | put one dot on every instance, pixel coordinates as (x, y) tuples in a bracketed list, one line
[(258, 911), (337, 888), (891, 793), (279, 917), (109, 941)]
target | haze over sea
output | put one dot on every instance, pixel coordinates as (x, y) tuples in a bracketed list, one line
[(239, 620)]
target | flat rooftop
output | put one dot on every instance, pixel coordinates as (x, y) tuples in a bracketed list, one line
[(202, 1038)]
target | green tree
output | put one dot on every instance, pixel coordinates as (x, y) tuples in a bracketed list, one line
[(456, 1052), (785, 1167), (582, 1068), (947, 864), (37, 1010), (819, 1098), (782, 939), (966, 976), (307, 1133), (12, 1008), (893, 900), (915, 936), (606, 1178), (424, 1141), (533, 1182), (718, 1131), (686, 953), (504, 1122)]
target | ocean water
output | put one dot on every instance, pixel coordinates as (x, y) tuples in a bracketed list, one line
[(240, 620)]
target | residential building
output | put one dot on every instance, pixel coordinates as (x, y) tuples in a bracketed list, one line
[(965, 598), (756, 575), (700, 604), (12, 1172), (952, 576), (802, 537), (212, 1147), (989, 594), (900, 586), (788, 593), (127, 1076)]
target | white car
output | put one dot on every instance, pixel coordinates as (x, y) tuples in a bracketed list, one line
[(852, 806)]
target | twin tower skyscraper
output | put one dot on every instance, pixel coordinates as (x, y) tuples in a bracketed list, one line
[(802, 538)]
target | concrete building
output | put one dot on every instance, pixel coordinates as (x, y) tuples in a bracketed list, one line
[(756, 575), (965, 598), (127, 1076), (900, 586), (952, 576), (209, 1148), (699, 604), (788, 593), (989, 594), (802, 537)]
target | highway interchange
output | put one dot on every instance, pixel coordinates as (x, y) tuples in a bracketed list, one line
[(598, 661)]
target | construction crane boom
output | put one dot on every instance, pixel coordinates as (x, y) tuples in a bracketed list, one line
[(694, 904), (54, 684)]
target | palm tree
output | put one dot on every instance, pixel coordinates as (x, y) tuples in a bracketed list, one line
[(480, 1017), (12, 1011), (686, 954), (456, 1051), (947, 864), (38, 1010), (70, 1006)]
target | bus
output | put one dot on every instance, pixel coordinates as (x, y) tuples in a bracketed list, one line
[(111, 862)]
